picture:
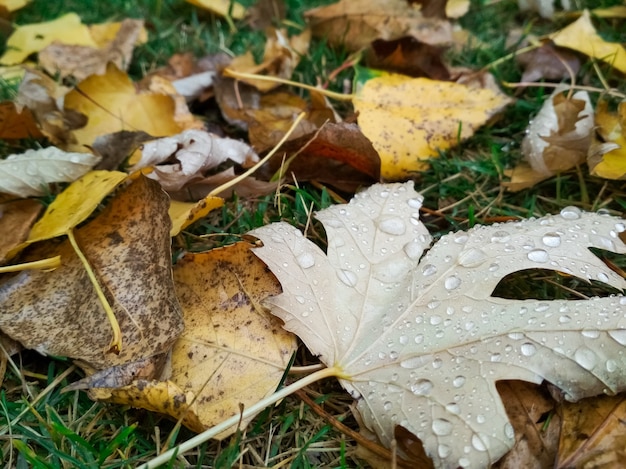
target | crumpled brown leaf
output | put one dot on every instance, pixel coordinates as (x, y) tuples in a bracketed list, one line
[(128, 247)]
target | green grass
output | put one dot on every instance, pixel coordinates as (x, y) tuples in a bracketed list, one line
[(43, 428)]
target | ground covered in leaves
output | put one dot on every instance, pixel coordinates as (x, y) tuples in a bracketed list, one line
[(252, 113)]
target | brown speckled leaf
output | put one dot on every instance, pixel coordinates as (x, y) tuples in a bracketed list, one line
[(128, 247)]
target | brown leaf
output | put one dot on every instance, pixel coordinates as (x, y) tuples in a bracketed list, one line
[(593, 434), (532, 412), (266, 13), (16, 124), (408, 56), (83, 61), (128, 247), (548, 62), (116, 147), (354, 24), (16, 219)]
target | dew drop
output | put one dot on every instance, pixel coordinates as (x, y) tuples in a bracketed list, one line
[(619, 336), (571, 213), (419, 338), (435, 320), (413, 250), (415, 202), (387, 405), (461, 238), (528, 349), (480, 418), (565, 319), (620, 227), (516, 335), (347, 277), (611, 366), (500, 237), (452, 282), (551, 239), (392, 226), (306, 260), (472, 257), (585, 357), (429, 270), (480, 442), (403, 340), (415, 362), (422, 387), (458, 381), (453, 408), (464, 462), (509, 431), (538, 255), (603, 277), (444, 451), (300, 299), (590, 334), (442, 427), (496, 357)]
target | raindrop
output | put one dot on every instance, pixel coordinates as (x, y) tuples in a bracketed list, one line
[(433, 304), (472, 257), (500, 237), (442, 427), (496, 357), (509, 431), (453, 408), (403, 340), (387, 405), (422, 387), (516, 335), (306, 260), (619, 336), (392, 226), (585, 357), (480, 443), (458, 381), (611, 366), (384, 193), (469, 325), (435, 320), (590, 334), (452, 282), (528, 349), (415, 202), (444, 451), (602, 242), (415, 362), (437, 362), (538, 255), (305, 313), (347, 277), (551, 239), (300, 299), (464, 462), (603, 277), (429, 270), (620, 227), (419, 338), (413, 250), (480, 418), (564, 319), (461, 238), (571, 213)]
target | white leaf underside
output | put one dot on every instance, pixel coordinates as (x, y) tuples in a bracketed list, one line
[(421, 338)]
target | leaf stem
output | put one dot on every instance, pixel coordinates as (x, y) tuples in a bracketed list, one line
[(252, 76), (49, 263), (116, 341), (259, 406)]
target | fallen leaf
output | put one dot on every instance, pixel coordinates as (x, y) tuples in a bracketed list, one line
[(532, 413), (81, 61), (593, 433), (16, 124), (189, 155), (184, 214), (549, 63), (607, 155), (232, 351), (409, 120), (246, 188), (128, 246), (112, 103), (417, 337), (182, 115), (13, 5), (581, 36), (354, 24), (227, 8), (556, 140), (116, 148), (41, 95), (16, 219), (280, 58), (30, 173), (266, 13), (31, 38)]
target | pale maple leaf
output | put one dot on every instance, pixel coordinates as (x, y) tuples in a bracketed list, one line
[(419, 339)]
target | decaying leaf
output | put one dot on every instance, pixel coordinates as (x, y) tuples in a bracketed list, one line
[(189, 155), (408, 120), (354, 24), (184, 214), (232, 351), (81, 61), (419, 340), (128, 246), (31, 38), (16, 219), (581, 36), (607, 155), (556, 140), (16, 124), (112, 103), (548, 62), (30, 173)]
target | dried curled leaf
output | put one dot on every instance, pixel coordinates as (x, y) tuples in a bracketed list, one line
[(419, 340)]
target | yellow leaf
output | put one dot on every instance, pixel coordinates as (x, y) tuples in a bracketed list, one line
[(607, 158), (104, 33), (222, 7), (184, 214), (13, 5), (31, 38), (111, 103), (232, 351), (582, 37), (408, 120), (75, 204)]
